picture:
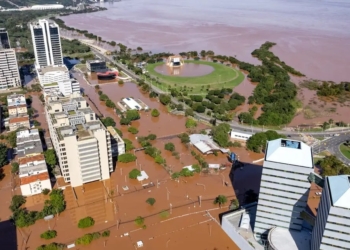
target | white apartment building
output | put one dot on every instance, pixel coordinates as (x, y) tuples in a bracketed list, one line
[(118, 145), (284, 186), (16, 104), (57, 78), (9, 74), (331, 230), (46, 43), (33, 175), (82, 143)]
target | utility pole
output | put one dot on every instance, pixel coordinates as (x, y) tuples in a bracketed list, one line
[(171, 208), (118, 222), (157, 184), (210, 230), (200, 200), (167, 193)]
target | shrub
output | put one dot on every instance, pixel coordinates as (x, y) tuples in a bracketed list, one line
[(85, 240), (120, 133), (133, 174), (128, 145), (185, 138), (133, 130), (108, 121), (45, 191), (99, 92), (127, 157), (52, 246), (164, 99), (124, 121), (106, 233), (103, 97), (151, 201), (189, 112), (96, 235), (97, 87), (86, 222), (159, 159), (120, 81), (139, 220), (169, 146), (190, 123), (15, 167), (155, 113), (132, 115), (17, 202), (152, 137), (50, 234), (164, 214)]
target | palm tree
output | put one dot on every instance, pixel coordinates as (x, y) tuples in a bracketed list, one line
[(220, 199)]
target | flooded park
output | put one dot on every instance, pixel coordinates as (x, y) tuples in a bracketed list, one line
[(188, 69)]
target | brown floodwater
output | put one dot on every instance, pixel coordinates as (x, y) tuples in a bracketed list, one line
[(187, 69)]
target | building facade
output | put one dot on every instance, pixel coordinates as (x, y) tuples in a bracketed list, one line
[(118, 145), (332, 231), (4, 39), (57, 78), (284, 186), (46, 43), (18, 122), (82, 143), (96, 66), (33, 175), (16, 105), (9, 74)]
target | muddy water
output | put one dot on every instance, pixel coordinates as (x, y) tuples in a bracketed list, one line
[(188, 69), (312, 36)]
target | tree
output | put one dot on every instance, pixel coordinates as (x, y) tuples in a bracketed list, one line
[(257, 142), (110, 104), (30, 112), (190, 123), (17, 202), (128, 145), (189, 112), (50, 157), (159, 159), (133, 130), (55, 204), (139, 220), (97, 87), (151, 137), (220, 134), (127, 157), (103, 97), (185, 138), (108, 121), (15, 167), (221, 200), (120, 81), (331, 165), (164, 99), (169, 146), (45, 191), (49, 234), (3, 155), (124, 121), (86, 222), (234, 204), (132, 115), (155, 113), (151, 201), (36, 123), (133, 174), (52, 246), (120, 133)]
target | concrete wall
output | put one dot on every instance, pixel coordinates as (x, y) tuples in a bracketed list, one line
[(234, 235)]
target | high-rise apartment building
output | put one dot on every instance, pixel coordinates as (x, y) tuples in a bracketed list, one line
[(9, 74), (284, 186), (331, 230), (46, 43), (82, 143)]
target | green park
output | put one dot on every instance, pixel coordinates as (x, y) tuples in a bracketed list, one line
[(222, 76)]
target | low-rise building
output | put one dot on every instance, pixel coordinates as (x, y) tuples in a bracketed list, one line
[(118, 145), (47, 7), (96, 66), (240, 136), (82, 143), (331, 230), (33, 175), (18, 122), (28, 143), (57, 77), (16, 104)]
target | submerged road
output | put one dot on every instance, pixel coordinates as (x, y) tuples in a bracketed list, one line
[(332, 145)]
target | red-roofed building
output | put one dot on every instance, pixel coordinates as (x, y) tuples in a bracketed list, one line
[(18, 122), (33, 174)]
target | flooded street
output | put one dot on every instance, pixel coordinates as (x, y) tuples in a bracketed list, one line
[(188, 69)]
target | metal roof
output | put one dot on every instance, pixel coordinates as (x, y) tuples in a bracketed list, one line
[(339, 188), (289, 152)]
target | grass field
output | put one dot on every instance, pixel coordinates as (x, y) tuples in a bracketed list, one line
[(222, 77), (345, 150)]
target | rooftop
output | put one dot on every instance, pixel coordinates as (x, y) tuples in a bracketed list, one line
[(16, 100), (32, 178), (19, 119), (95, 61), (284, 239), (114, 134), (339, 189), (47, 69), (289, 152)]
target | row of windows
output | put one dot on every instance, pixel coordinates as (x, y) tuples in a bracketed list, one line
[(284, 177), (282, 197), (287, 210), (269, 218), (279, 202), (283, 190), (331, 245), (280, 170)]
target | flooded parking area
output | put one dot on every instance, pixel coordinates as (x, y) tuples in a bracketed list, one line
[(188, 69)]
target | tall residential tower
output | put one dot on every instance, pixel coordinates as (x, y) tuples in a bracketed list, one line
[(46, 43), (9, 74), (284, 186)]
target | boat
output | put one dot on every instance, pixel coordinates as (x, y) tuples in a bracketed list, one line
[(108, 75)]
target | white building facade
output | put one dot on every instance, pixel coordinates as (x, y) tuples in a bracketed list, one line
[(33, 175), (284, 186), (9, 74), (331, 230), (46, 43), (47, 7), (82, 143)]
